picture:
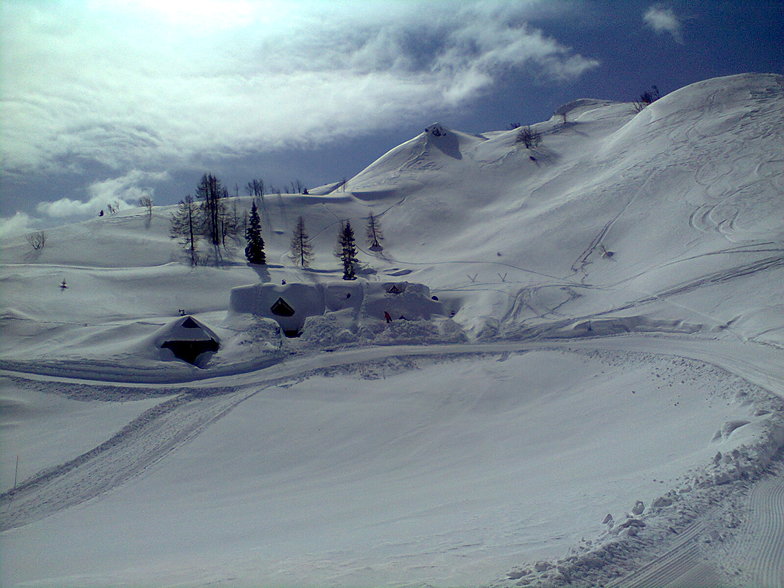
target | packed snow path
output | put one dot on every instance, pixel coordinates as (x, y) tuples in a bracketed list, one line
[(759, 545), (754, 556), (179, 420), (143, 442), (681, 565)]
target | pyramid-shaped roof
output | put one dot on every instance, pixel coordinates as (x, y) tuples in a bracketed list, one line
[(282, 308), (185, 328)]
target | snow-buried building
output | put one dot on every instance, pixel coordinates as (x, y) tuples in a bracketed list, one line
[(290, 304), (187, 339)]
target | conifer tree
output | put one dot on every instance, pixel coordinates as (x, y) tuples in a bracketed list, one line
[(374, 234), (301, 249), (254, 251), (347, 251)]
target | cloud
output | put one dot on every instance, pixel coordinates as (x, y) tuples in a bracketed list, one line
[(67, 207), (120, 192), (157, 85), (663, 20), (18, 224)]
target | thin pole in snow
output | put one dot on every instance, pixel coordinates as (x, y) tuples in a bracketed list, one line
[(16, 471)]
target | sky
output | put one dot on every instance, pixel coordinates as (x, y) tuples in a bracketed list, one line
[(105, 101)]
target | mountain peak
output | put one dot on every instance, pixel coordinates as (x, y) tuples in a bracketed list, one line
[(437, 130)]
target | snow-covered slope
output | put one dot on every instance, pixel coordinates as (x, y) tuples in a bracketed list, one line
[(667, 222), (619, 210)]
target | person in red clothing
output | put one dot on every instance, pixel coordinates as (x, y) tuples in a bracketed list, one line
[(387, 317)]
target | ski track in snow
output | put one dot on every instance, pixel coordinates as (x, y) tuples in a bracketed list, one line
[(519, 300), (680, 565), (140, 444), (581, 263), (717, 277), (752, 556), (767, 520), (758, 547)]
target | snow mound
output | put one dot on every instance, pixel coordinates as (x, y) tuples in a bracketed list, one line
[(572, 111), (436, 148)]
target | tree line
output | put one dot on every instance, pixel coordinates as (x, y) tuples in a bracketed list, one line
[(257, 187), (301, 249), (207, 217)]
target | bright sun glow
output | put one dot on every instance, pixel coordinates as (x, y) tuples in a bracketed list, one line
[(221, 14)]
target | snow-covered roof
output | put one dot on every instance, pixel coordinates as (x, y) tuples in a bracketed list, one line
[(185, 328)]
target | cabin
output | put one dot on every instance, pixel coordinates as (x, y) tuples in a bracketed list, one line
[(189, 340), (289, 304)]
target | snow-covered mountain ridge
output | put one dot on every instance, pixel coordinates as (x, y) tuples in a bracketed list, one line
[(478, 443), (618, 219)]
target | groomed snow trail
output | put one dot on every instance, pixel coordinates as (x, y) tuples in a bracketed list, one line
[(766, 523), (758, 547), (140, 444), (752, 556), (681, 565)]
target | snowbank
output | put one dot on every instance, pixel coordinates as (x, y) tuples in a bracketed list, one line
[(359, 302)]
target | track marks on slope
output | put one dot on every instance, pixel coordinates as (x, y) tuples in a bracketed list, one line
[(718, 277), (680, 565), (699, 558), (725, 275), (581, 263), (758, 547), (767, 520), (701, 219), (140, 444)]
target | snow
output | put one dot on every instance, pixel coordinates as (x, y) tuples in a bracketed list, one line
[(309, 485), (186, 328), (304, 300), (356, 305), (592, 327), (44, 429)]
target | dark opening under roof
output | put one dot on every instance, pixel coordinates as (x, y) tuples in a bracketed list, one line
[(190, 350), (282, 308)]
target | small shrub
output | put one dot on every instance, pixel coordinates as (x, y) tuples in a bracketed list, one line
[(646, 98), (37, 240), (528, 137)]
